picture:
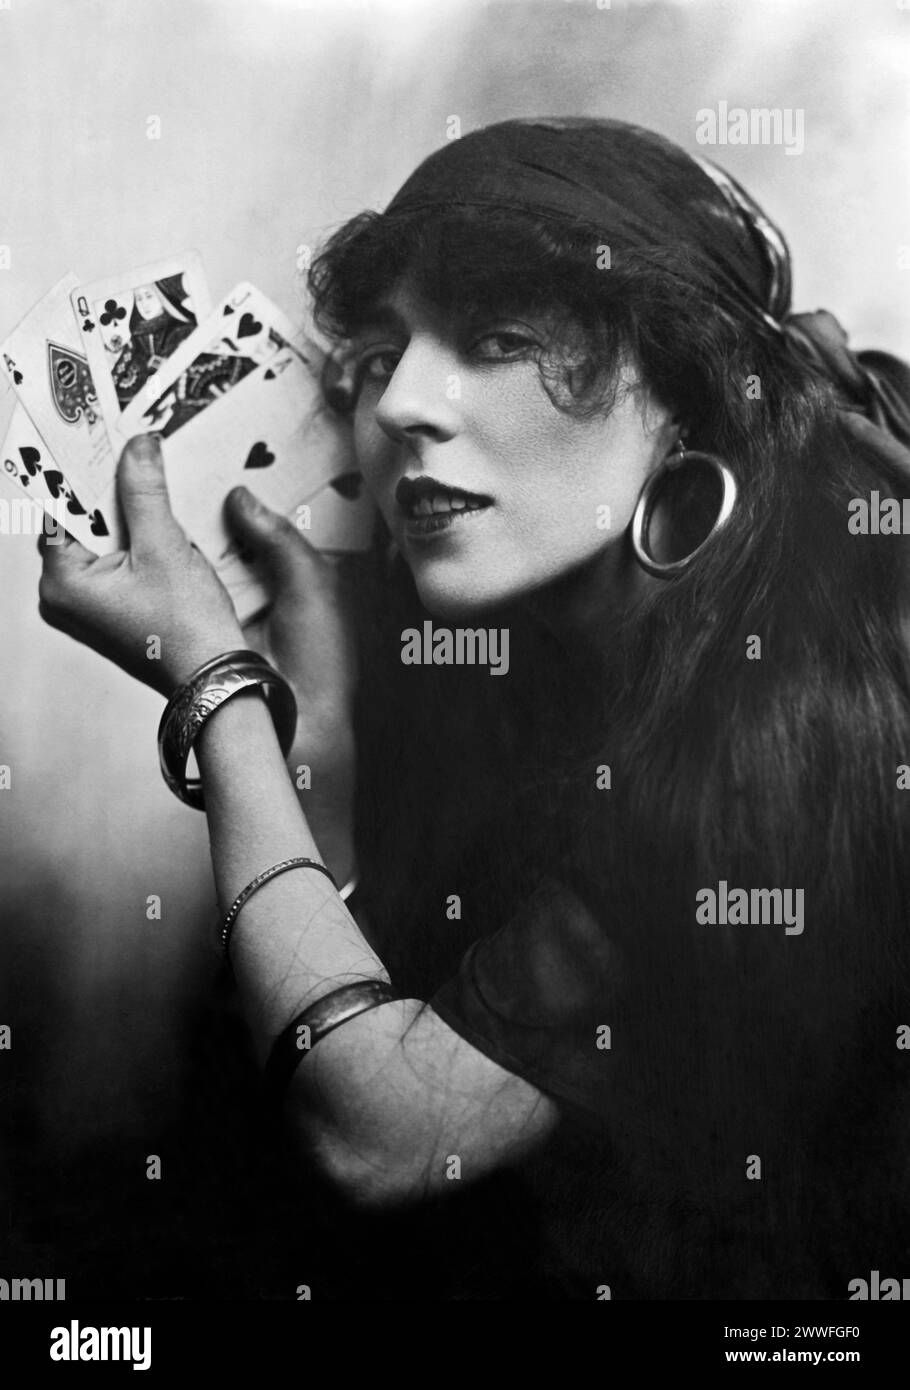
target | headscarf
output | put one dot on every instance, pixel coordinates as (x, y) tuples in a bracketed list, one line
[(618, 180), (872, 385)]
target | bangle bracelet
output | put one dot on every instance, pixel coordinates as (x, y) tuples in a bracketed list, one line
[(306, 1030), (227, 926), (205, 691), (347, 890)]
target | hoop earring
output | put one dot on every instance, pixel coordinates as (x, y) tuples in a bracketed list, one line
[(641, 520)]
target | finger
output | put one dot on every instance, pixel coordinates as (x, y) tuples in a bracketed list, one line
[(286, 556), (58, 618), (63, 568), (64, 557), (143, 494), (69, 624), (52, 532)]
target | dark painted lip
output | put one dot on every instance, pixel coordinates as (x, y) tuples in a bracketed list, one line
[(428, 528), (410, 491)]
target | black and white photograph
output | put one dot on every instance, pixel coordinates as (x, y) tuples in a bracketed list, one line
[(455, 704)]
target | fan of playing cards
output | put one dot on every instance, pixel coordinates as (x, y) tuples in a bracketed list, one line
[(233, 392)]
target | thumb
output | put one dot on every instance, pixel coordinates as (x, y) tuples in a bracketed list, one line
[(270, 538), (142, 490)]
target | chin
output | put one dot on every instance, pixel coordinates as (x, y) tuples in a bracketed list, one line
[(456, 603)]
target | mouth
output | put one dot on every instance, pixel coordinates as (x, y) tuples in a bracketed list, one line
[(428, 506)]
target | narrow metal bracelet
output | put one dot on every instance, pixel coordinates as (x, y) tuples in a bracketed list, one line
[(200, 695), (309, 1027), (347, 890), (227, 926)]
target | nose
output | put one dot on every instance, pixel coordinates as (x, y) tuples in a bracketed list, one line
[(421, 398)]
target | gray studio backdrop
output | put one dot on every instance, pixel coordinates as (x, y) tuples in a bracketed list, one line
[(278, 119)]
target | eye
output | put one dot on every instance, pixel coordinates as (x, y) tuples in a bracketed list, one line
[(377, 363), (507, 344)]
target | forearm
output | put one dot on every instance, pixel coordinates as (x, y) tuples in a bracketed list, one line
[(384, 1098), (293, 940)]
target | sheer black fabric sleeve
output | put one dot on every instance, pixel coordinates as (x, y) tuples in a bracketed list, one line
[(536, 997)]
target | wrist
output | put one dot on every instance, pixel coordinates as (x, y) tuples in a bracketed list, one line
[(217, 683)]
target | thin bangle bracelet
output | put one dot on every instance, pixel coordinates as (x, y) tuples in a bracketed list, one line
[(348, 889), (227, 926)]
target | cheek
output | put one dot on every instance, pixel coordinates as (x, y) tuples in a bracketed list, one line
[(561, 475), (368, 442)]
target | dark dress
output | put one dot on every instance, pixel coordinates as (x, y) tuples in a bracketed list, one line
[(571, 965)]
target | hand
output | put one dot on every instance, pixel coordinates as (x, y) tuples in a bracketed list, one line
[(308, 633), (307, 629), (162, 587)]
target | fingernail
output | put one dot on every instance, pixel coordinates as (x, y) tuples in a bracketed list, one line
[(146, 447), (247, 500)]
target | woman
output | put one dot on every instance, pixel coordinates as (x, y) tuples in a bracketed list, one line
[(591, 430)]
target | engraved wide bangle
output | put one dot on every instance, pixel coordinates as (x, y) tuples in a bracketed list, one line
[(320, 1018), (204, 692)]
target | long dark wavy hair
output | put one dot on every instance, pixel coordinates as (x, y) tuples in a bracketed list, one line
[(773, 772)]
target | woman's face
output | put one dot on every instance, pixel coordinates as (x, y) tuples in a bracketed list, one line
[(490, 491), (148, 302)]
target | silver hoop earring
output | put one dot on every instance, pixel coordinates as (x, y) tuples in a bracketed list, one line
[(644, 510)]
